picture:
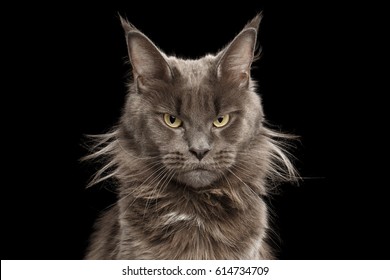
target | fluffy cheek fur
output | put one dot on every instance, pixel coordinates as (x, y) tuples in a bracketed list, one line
[(144, 127)]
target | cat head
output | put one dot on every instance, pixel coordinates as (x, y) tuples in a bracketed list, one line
[(197, 117)]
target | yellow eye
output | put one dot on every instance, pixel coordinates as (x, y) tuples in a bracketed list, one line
[(172, 121), (221, 121)]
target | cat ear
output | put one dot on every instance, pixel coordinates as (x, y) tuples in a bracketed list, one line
[(236, 59), (147, 61)]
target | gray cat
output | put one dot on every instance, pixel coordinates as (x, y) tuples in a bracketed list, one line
[(191, 157)]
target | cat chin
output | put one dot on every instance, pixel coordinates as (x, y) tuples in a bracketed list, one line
[(197, 178)]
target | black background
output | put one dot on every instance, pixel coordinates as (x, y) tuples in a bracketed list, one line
[(66, 72)]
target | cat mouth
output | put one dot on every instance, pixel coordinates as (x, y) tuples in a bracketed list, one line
[(198, 167), (199, 171), (197, 177)]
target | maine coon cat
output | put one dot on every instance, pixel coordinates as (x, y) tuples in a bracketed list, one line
[(191, 158)]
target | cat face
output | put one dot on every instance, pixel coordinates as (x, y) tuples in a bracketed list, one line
[(196, 116)]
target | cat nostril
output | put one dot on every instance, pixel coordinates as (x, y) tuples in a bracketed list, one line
[(199, 153)]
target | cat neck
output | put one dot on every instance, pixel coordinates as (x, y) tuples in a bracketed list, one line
[(213, 219)]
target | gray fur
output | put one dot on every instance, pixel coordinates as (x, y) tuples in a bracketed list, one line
[(171, 205)]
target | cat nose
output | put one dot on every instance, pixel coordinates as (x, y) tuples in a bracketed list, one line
[(199, 153)]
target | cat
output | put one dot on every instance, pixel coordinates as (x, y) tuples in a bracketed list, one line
[(191, 158)]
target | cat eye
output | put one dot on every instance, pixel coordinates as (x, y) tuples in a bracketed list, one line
[(172, 121), (221, 121)]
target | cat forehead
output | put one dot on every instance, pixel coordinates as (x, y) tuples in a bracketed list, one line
[(196, 83), (193, 71)]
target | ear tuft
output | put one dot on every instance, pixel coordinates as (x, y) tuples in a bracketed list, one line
[(127, 26), (255, 22)]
